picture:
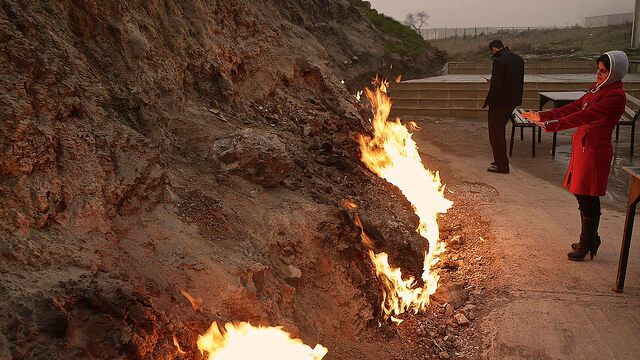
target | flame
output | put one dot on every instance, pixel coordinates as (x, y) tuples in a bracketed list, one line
[(196, 303), (393, 155), (245, 341), (177, 345)]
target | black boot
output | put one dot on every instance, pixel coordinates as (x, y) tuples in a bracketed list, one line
[(589, 241), (597, 237)]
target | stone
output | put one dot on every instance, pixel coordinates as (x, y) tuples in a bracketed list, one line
[(291, 272), (448, 310), (471, 315), (461, 319), (468, 308), (258, 156), (454, 294), (444, 355)]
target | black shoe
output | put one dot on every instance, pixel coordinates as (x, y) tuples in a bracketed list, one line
[(597, 240), (495, 169), (580, 252), (589, 239)]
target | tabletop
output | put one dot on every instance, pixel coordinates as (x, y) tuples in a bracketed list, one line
[(562, 95), (633, 171)]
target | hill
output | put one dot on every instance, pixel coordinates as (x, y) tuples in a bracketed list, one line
[(573, 43), (150, 149)]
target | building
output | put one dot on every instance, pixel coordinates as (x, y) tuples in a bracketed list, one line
[(610, 19)]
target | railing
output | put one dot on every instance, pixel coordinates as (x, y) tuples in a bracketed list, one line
[(443, 33)]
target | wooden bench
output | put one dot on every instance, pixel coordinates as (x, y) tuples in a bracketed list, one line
[(629, 118), (518, 121)]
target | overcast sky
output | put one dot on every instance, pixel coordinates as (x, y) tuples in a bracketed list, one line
[(468, 13)]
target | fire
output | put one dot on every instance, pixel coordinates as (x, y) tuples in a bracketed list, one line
[(245, 341), (177, 345), (196, 303), (393, 155)]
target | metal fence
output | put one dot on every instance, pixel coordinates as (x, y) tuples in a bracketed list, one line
[(443, 33)]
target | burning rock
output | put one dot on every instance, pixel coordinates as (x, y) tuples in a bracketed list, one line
[(393, 155)]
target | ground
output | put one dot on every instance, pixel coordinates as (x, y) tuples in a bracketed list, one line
[(540, 305)]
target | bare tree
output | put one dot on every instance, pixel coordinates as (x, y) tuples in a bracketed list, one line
[(417, 20)]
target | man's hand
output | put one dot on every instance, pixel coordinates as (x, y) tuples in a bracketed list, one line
[(533, 116)]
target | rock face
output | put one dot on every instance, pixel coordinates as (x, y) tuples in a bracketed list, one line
[(111, 203), (258, 156)]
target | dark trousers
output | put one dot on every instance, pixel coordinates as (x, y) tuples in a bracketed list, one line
[(589, 206), (498, 119)]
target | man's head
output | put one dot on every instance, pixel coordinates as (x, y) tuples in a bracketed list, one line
[(604, 66), (495, 46)]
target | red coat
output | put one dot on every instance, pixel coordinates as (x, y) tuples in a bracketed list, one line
[(595, 115)]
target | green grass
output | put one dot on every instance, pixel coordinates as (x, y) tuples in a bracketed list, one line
[(575, 43), (405, 41)]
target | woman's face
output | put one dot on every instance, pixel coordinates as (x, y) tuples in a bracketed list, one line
[(602, 73)]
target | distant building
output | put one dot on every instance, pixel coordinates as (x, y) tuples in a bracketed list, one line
[(610, 19)]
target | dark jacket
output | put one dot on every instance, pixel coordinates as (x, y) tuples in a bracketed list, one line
[(507, 80)]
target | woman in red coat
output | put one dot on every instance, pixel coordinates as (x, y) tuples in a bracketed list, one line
[(595, 115)]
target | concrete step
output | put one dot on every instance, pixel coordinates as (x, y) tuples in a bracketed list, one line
[(532, 64), (465, 94), (406, 114), (452, 103), (484, 86), (527, 70), (531, 67), (464, 99)]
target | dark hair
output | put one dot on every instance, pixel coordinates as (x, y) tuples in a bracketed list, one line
[(604, 58), (496, 44)]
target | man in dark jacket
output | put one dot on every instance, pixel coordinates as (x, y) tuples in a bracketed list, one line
[(505, 93)]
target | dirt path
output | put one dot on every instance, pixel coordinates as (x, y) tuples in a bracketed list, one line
[(547, 307)]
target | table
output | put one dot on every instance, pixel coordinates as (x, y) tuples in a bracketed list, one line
[(560, 99), (634, 197)]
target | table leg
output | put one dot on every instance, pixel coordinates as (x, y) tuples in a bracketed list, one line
[(553, 145), (533, 142), (539, 135), (634, 197), (542, 101)]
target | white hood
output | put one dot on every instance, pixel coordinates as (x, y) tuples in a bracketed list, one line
[(619, 67)]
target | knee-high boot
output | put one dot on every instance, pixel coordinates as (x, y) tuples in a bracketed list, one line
[(589, 239)]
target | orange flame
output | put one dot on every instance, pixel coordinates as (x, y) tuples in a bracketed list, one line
[(245, 341), (196, 303), (177, 345), (393, 155)]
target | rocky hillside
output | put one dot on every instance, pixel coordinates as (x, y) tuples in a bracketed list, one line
[(149, 148)]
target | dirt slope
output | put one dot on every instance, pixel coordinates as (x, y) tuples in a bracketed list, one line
[(159, 146)]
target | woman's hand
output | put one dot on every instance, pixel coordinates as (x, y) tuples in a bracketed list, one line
[(533, 116)]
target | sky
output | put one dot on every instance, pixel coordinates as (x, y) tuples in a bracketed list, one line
[(469, 13)]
